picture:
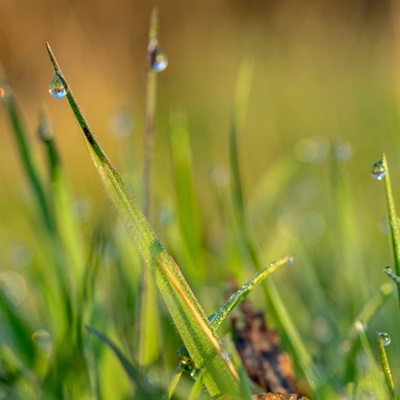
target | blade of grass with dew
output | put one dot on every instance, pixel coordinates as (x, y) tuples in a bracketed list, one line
[(190, 319), (303, 357), (393, 220), (373, 381), (369, 311), (149, 348), (145, 388), (383, 340), (26, 154), (237, 297), (185, 205)]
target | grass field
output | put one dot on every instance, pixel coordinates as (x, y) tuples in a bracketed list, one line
[(267, 122)]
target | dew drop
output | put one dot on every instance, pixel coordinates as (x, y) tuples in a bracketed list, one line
[(387, 270), (56, 87), (384, 338), (290, 260), (378, 170), (158, 60)]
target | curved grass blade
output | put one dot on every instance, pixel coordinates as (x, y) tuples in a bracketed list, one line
[(206, 353)]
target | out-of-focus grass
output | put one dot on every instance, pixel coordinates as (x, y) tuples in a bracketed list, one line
[(323, 105)]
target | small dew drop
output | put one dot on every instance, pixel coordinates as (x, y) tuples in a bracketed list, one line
[(387, 270), (56, 87), (384, 338), (378, 170), (158, 60), (290, 260)]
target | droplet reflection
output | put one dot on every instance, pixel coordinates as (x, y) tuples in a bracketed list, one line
[(56, 87), (378, 170)]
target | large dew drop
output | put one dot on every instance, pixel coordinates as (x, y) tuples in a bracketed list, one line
[(384, 338), (378, 170), (158, 60), (56, 88)]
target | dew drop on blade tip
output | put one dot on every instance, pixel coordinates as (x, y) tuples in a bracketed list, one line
[(384, 338), (56, 88), (378, 170)]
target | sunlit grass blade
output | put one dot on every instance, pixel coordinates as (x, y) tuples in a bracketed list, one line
[(26, 154), (299, 350), (173, 383), (384, 340), (189, 317), (393, 220)]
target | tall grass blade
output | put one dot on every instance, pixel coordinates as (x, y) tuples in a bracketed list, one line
[(189, 317), (149, 348), (384, 340), (393, 220), (303, 357), (28, 161)]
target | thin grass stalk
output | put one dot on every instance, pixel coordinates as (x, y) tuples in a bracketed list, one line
[(393, 221), (218, 377), (24, 148), (149, 329), (385, 364), (303, 357)]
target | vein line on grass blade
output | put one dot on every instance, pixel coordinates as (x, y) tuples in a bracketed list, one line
[(219, 379)]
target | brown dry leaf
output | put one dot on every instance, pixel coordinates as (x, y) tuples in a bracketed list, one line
[(262, 357), (278, 396)]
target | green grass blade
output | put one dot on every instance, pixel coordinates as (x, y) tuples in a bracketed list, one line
[(149, 348), (196, 391), (189, 318), (299, 350), (173, 383), (186, 205), (393, 220), (384, 340), (28, 161)]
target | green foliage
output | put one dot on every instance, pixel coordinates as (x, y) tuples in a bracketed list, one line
[(323, 309)]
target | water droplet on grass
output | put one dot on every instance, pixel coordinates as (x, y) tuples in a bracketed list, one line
[(56, 87), (158, 60), (290, 260), (384, 338), (378, 170)]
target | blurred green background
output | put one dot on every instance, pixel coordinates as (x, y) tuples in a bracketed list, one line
[(324, 73)]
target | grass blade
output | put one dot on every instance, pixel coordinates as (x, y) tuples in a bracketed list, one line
[(393, 220), (383, 341), (28, 161), (181, 302), (303, 357)]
